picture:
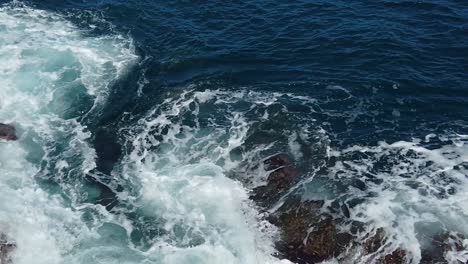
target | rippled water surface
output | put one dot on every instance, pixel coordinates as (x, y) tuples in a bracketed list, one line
[(142, 125)]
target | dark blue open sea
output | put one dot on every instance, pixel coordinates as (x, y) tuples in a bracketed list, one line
[(144, 126)]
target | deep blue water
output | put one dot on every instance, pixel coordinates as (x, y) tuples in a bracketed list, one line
[(303, 46), (357, 92)]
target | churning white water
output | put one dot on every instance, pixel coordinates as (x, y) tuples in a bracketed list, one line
[(414, 191), (52, 76), (181, 152)]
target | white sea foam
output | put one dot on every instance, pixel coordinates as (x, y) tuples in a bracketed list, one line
[(47, 66), (413, 187), (182, 152)]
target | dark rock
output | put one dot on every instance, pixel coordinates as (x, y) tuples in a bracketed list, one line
[(440, 245), (375, 242), (282, 177), (396, 257), (337, 207), (334, 207), (358, 184), (354, 202), (309, 230), (108, 150), (7, 132), (345, 210), (277, 161), (308, 236), (6, 248)]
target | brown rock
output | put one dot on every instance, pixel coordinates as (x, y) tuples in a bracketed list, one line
[(322, 241), (7, 132), (282, 177), (396, 257), (375, 242), (308, 235), (277, 161)]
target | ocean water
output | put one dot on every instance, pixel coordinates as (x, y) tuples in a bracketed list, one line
[(142, 125)]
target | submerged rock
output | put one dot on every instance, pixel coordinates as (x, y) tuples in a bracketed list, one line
[(6, 248), (375, 242), (441, 245), (281, 178), (7, 132)]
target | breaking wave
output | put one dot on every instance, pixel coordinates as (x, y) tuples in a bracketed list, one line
[(53, 75)]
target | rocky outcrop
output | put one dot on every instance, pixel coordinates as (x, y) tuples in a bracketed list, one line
[(309, 236), (310, 229), (7, 132)]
